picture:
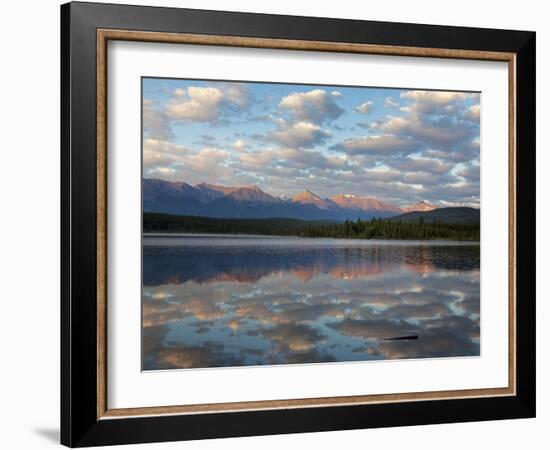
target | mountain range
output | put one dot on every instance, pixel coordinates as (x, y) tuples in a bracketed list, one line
[(210, 200)]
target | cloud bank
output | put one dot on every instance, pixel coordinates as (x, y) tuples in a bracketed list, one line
[(401, 146)]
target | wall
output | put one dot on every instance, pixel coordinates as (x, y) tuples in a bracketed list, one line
[(29, 155)]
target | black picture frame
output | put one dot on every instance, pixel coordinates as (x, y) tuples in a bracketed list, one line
[(80, 425)]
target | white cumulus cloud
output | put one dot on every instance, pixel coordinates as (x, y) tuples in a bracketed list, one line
[(300, 135), (206, 104), (314, 106), (364, 108)]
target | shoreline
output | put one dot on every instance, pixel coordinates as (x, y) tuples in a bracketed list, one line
[(156, 235)]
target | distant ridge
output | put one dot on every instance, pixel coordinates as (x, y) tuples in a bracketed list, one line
[(247, 202), (443, 215)]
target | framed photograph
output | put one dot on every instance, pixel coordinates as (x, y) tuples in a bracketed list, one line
[(276, 224)]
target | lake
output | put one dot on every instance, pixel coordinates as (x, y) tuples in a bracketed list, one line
[(222, 300)]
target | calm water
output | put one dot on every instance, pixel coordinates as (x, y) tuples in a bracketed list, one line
[(212, 301)]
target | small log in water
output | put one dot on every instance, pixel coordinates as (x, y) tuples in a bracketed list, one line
[(402, 338)]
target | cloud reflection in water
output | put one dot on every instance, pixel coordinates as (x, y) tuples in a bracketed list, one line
[(219, 306)]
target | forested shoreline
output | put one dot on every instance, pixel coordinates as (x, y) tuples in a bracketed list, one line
[(375, 228)]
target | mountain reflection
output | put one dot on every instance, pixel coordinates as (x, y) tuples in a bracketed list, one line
[(209, 305), (205, 264)]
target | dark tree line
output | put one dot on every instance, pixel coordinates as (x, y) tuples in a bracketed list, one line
[(359, 229), (166, 223), (387, 229)]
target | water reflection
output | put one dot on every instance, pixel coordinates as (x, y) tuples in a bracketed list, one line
[(217, 302)]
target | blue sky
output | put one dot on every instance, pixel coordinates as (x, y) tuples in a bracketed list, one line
[(398, 145)]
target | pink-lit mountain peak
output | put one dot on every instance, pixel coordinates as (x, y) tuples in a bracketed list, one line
[(352, 201), (309, 198), (420, 206), (225, 190), (252, 194)]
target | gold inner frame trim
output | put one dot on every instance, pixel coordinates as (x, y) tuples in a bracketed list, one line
[(104, 35)]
